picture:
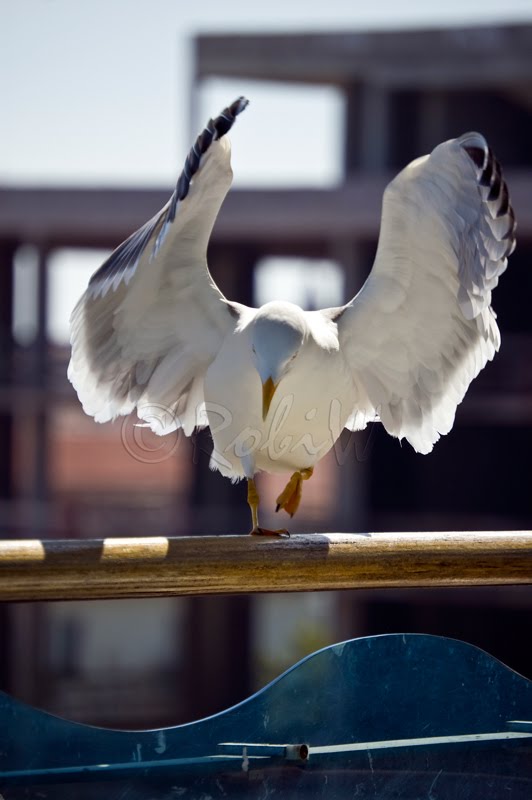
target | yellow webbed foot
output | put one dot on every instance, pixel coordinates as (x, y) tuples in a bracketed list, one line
[(290, 497)]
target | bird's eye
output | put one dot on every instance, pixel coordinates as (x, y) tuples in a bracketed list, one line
[(253, 348)]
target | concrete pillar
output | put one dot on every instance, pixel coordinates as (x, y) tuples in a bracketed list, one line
[(367, 134)]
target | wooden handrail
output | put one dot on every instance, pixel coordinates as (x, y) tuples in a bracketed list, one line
[(143, 567)]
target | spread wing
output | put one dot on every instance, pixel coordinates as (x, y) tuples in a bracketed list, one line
[(422, 328), (152, 320)]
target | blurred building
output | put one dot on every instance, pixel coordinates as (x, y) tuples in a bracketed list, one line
[(63, 476)]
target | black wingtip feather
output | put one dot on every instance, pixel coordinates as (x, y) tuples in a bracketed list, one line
[(496, 182), (487, 172), (491, 178), (505, 202), (477, 155), (215, 129), (224, 121)]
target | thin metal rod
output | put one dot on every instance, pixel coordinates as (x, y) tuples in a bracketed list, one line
[(155, 566)]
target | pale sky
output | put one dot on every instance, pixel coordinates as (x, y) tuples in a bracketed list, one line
[(97, 92)]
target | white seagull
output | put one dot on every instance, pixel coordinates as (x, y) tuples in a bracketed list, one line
[(277, 384)]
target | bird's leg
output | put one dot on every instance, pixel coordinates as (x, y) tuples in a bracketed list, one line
[(290, 497), (253, 502)]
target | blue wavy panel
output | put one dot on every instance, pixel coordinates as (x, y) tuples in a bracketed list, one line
[(395, 716)]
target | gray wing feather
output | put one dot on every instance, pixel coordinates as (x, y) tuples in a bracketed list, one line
[(422, 326), (152, 319)]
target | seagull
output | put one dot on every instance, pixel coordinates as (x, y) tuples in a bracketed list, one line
[(277, 384)]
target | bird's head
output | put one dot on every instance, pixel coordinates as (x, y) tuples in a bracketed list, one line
[(278, 333)]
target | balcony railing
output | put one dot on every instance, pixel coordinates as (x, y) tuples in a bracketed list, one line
[(155, 566)]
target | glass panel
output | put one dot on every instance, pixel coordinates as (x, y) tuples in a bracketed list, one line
[(311, 283), (95, 670), (25, 295), (290, 136), (286, 627), (395, 716), (69, 273)]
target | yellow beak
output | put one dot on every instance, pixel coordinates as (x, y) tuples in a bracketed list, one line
[(268, 390)]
